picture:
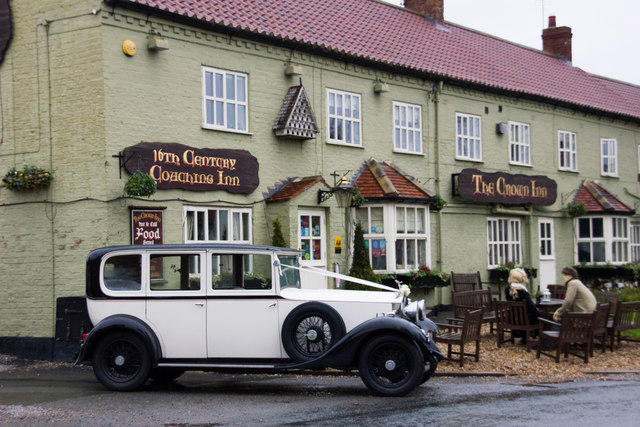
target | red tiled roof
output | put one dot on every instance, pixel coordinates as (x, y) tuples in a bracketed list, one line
[(293, 187), (597, 199), (392, 35), (385, 181)]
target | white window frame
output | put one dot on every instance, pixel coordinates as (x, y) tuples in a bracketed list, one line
[(519, 144), (616, 239), (389, 233), (546, 239), (407, 128), (609, 157), (504, 241), (322, 237), (567, 151), (468, 137), (634, 243), (237, 231), (228, 102), (343, 120)]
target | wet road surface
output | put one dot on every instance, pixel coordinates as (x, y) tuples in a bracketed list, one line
[(72, 396)]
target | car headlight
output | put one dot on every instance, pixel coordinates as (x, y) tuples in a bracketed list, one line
[(416, 310)]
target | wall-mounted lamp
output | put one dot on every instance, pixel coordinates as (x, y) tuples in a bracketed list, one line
[(379, 86), (343, 192), (501, 128), (157, 42)]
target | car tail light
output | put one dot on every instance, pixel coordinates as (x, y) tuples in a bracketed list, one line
[(84, 336)]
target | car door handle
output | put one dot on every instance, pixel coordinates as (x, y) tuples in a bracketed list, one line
[(199, 304), (273, 304)]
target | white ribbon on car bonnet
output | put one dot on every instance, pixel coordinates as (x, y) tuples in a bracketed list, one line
[(327, 273)]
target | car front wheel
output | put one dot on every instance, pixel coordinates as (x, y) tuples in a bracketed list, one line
[(391, 365), (121, 362)]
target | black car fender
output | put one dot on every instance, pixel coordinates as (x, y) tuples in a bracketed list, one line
[(344, 354), (120, 322)]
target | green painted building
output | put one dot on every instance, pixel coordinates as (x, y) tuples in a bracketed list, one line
[(247, 112)]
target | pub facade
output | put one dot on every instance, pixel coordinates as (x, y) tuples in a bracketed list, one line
[(241, 119)]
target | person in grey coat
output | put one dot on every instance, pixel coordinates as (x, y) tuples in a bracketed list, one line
[(578, 298)]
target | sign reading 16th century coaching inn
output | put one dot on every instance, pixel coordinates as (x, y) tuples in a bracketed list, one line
[(500, 187), (174, 165)]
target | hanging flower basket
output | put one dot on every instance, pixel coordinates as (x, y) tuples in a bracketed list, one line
[(29, 178), (140, 185)]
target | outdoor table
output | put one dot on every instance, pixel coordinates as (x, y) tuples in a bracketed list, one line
[(547, 308)]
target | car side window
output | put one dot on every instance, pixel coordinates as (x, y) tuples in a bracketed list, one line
[(175, 272), (123, 273), (238, 271)]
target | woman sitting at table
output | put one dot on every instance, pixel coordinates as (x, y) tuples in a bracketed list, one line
[(517, 291), (578, 297)]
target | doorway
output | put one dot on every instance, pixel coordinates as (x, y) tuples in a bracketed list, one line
[(547, 253)]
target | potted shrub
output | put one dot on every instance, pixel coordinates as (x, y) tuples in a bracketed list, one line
[(27, 178)]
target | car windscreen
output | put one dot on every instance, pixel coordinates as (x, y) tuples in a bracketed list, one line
[(289, 277)]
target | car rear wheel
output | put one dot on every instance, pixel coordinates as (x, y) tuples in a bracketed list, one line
[(391, 365), (121, 361), (310, 330)]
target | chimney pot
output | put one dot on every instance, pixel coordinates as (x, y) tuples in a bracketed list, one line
[(552, 21)]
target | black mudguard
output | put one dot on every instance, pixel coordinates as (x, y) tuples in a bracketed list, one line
[(120, 322), (344, 354)]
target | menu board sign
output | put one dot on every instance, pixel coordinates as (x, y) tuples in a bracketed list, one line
[(146, 227)]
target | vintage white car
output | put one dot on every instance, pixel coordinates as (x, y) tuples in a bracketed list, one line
[(163, 309)]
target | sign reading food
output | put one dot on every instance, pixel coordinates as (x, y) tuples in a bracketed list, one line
[(146, 227), (500, 187), (174, 165)]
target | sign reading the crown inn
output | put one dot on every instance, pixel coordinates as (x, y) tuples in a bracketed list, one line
[(500, 187), (174, 165)]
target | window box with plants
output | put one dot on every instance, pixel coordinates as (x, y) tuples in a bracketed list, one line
[(424, 277), (591, 273), (27, 178), (500, 274)]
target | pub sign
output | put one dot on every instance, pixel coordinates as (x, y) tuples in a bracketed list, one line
[(174, 165), (501, 187)]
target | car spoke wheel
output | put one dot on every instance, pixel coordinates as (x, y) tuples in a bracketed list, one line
[(121, 362), (391, 365), (310, 330)]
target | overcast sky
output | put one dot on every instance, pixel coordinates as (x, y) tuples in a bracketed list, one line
[(606, 33)]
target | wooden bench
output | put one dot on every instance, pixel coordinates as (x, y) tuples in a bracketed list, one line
[(512, 316)]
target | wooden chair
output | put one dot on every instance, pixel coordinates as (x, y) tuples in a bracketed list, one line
[(557, 291), (610, 298), (600, 327), (472, 300), (627, 316), (468, 332), (573, 333), (512, 316), (466, 281)]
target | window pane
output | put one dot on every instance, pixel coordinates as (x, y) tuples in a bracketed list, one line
[(231, 116), (400, 254), (200, 225), (315, 223), (598, 227), (242, 96), (400, 225), (219, 113), (362, 216), (377, 221), (584, 228), (411, 220), (236, 226), (421, 221), (245, 226), (378, 254), (242, 117), (224, 225), (231, 87), (209, 111), (213, 224), (218, 84), (208, 84), (598, 252)]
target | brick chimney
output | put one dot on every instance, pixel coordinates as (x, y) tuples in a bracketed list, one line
[(433, 9), (557, 40)]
